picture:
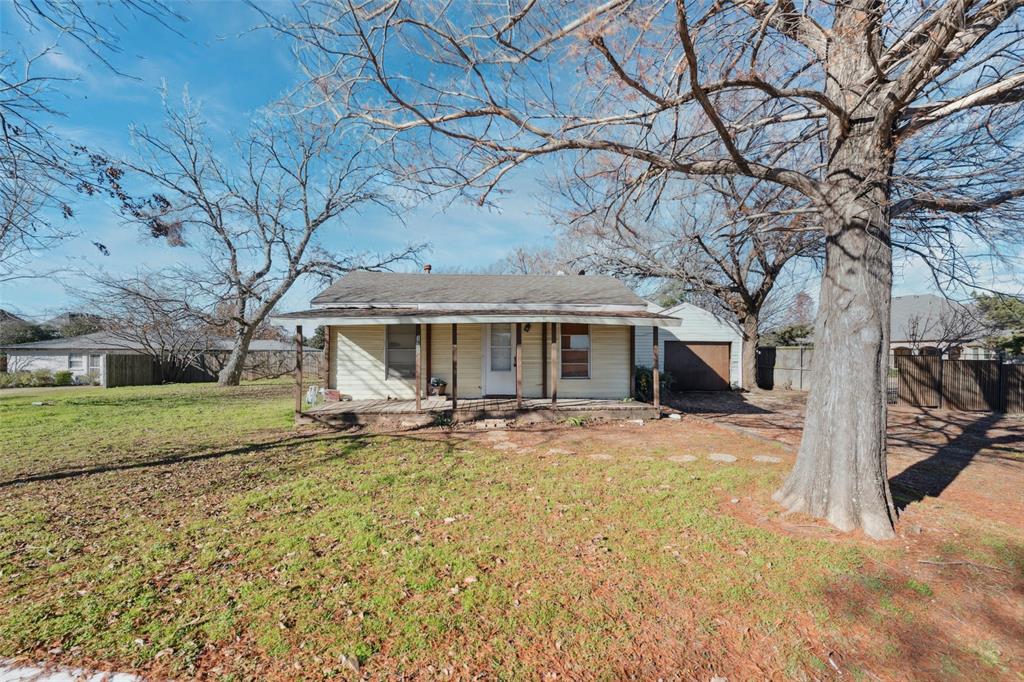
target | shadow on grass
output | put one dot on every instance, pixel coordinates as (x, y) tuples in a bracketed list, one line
[(354, 441), (929, 477)]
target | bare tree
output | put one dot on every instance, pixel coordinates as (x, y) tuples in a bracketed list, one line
[(945, 327), (538, 261), (896, 125), (253, 232), (41, 171), (145, 314), (725, 240)]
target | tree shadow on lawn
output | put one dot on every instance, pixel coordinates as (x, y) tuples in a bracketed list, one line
[(353, 442), (929, 477)]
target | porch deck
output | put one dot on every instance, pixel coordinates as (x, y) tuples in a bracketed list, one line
[(403, 412)]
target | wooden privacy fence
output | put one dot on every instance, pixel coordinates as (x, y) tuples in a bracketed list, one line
[(967, 385), (273, 364), (130, 370)]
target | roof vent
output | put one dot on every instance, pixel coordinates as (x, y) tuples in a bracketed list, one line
[(426, 268)]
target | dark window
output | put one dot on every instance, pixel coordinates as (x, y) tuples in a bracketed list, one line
[(400, 352), (575, 351)]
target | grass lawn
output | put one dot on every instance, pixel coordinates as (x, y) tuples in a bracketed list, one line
[(187, 531)]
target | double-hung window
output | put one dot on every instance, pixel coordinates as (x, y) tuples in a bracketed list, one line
[(76, 363), (400, 351), (575, 348)]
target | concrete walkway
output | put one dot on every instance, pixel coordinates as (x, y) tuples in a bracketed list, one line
[(14, 672)]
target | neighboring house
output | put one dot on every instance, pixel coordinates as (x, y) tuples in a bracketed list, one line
[(703, 354), (84, 356), (927, 324), (109, 360), (575, 334)]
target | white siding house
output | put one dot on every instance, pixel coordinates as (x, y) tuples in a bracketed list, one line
[(521, 336), (698, 326)]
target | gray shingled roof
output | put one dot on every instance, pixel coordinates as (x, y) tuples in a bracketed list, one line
[(358, 313), (384, 288), (929, 311)]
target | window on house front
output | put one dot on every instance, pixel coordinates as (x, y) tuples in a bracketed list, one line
[(76, 363), (575, 351), (400, 351), (94, 363)]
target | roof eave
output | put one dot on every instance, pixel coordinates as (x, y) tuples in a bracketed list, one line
[(313, 321)]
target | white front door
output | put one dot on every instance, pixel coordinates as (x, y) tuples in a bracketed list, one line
[(499, 364)]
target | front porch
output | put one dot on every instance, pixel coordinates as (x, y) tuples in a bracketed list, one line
[(406, 413), (539, 366)]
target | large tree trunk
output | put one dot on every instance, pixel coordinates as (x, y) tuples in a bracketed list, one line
[(751, 337), (840, 473), (231, 374)]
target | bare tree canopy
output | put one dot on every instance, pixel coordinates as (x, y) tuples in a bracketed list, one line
[(145, 313), (717, 239), (40, 170), (252, 219), (894, 125)]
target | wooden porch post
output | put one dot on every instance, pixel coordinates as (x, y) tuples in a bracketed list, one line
[(419, 372), (632, 361), (519, 365), (298, 370), (555, 357), (428, 350), (325, 359), (656, 374), (455, 368), (544, 359)]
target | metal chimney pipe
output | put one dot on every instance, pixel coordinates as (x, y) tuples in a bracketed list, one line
[(426, 268)]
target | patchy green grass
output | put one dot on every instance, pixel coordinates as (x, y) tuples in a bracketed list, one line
[(190, 531)]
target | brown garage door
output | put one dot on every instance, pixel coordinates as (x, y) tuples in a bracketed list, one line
[(698, 366)]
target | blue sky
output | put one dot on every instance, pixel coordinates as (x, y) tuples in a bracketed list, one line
[(233, 71)]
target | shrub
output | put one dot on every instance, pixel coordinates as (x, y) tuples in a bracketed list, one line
[(444, 420), (62, 378), (42, 377), (645, 381), (6, 380)]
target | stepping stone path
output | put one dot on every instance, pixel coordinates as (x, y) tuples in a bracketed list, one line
[(721, 457), (682, 459), (767, 459), (504, 445), (559, 451), (601, 455)]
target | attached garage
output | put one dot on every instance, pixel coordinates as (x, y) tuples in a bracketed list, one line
[(703, 354)]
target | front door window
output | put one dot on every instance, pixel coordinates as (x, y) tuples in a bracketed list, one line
[(501, 347), (500, 379)]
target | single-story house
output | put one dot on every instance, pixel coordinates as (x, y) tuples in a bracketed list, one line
[(513, 336), (704, 353), (926, 324), (109, 360)]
